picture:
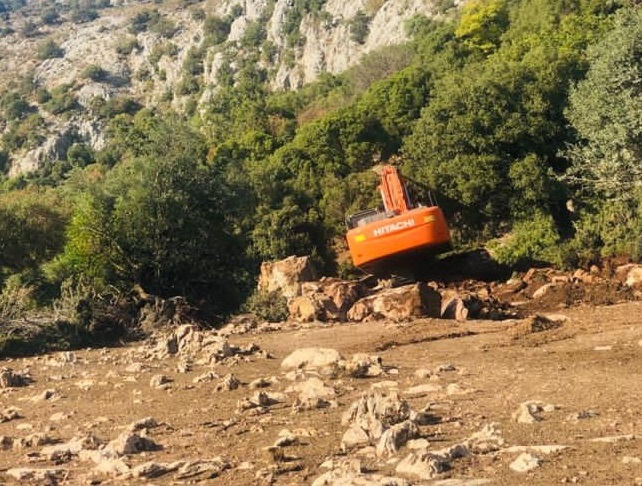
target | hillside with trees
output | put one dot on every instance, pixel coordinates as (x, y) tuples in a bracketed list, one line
[(522, 115)]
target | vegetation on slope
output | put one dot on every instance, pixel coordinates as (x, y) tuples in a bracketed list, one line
[(523, 114)]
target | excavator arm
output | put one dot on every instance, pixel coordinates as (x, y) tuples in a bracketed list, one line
[(393, 191)]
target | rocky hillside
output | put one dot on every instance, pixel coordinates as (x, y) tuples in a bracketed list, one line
[(85, 58)]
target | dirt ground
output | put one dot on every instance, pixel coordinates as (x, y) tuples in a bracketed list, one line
[(583, 366)]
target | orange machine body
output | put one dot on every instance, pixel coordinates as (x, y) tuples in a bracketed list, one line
[(377, 237)]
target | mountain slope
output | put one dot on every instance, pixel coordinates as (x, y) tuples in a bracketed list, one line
[(176, 52)]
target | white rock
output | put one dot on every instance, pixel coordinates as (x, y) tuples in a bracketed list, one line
[(395, 437), (385, 385), (355, 436), (525, 462), (528, 412), (543, 449), (144, 423), (422, 465), (631, 460), (422, 373), (422, 390), (312, 388), (161, 382), (488, 439), (418, 444), (311, 358), (615, 438), (34, 474), (130, 443)]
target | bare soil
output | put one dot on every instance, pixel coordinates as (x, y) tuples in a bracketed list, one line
[(587, 364)]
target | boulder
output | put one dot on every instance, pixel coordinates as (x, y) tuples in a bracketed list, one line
[(312, 388), (311, 358), (285, 276), (371, 416), (396, 437), (328, 299), (423, 465), (131, 443), (308, 308), (488, 439), (398, 304)]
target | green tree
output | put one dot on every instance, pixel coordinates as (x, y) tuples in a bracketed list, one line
[(32, 226), (605, 109), (490, 132), (482, 24), (89, 252), (606, 160), (171, 219)]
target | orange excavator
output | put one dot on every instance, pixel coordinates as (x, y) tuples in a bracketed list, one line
[(397, 238)]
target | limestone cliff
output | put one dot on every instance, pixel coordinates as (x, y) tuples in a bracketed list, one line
[(143, 50)]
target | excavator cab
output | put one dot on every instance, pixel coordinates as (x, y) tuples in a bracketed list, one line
[(399, 233)]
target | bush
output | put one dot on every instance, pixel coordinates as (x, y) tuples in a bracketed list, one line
[(49, 50), (271, 306), (62, 100), (163, 27), (50, 16), (14, 106), (359, 27), (615, 229), (216, 30), (25, 133), (152, 20), (142, 20), (533, 241), (84, 15), (127, 46), (16, 298), (94, 73)]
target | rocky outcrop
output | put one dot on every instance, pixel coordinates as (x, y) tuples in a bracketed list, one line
[(147, 64)]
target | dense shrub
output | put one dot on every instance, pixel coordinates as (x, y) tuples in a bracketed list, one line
[(49, 50)]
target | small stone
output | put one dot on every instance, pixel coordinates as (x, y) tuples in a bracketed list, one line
[(160, 382), (442, 368), (229, 382)]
